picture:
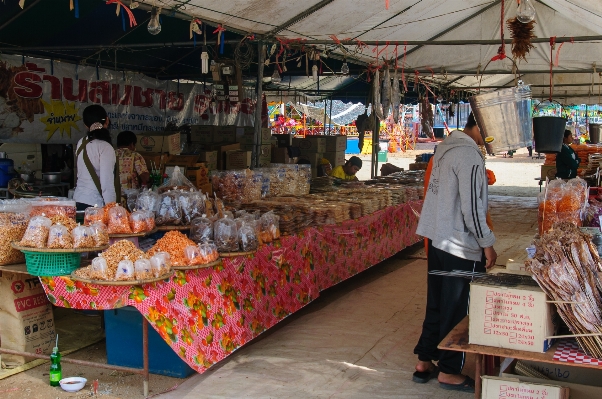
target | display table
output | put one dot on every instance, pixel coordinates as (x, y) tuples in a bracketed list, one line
[(457, 340), (206, 314)]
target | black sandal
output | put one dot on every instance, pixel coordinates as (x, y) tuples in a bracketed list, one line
[(422, 377), (466, 386)]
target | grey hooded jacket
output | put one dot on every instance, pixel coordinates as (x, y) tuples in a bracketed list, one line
[(455, 206)]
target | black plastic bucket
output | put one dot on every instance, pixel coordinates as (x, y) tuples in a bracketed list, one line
[(548, 132)]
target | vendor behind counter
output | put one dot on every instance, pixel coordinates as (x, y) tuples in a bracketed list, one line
[(567, 161), (349, 170)]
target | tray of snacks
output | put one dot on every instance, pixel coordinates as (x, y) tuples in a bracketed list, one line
[(16, 245), (202, 266), (141, 234), (234, 254), (84, 273), (169, 228)]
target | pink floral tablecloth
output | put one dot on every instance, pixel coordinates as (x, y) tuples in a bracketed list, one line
[(206, 314)]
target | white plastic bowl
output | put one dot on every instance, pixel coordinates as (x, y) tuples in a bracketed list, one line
[(72, 384)]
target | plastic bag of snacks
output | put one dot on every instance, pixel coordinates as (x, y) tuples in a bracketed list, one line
[(197, 205), (143, 269), (138, 222), (99, 270), (168, 212), (185, 203), (150, 220), (59, 237), (192, 253), (118, 221), (83, 237), (125, 270), (53, 206), (160, 263), (94, 214), (131, 196), (99, 234), (269, 227), (209, 252), (14, 215), (36, 235), (248, 237), (226, 235), (147, 201), (201, 230), (177, 181)]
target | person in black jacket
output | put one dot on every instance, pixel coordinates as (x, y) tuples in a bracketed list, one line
[(567, 161)]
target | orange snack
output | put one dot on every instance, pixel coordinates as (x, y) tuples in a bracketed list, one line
[(174, 243)]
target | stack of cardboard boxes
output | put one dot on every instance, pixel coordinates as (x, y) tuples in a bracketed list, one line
[(246, 136), (314, 148)]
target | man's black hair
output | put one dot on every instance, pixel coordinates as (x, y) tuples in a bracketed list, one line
[(471, 121), (125, 138)]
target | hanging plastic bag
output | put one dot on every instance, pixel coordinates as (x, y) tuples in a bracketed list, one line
[(125, 270), (160, 264), (59, 237), (143, 269), (94, 214), (100, 234), (83, 237), (118, 221), (36, 234), (201, 230), (168, 212), (176, 181), (147, 201), (226, 235), (99, 270)]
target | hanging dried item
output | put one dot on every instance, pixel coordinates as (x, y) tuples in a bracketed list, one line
[(427, 118), (521, 33)]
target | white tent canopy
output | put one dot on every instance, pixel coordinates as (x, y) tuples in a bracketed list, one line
[(430, 20)]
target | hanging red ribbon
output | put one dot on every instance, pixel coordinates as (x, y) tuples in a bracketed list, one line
[(387, 4), (552, 44), (127, 10), (501, 51), (558, 51), (378, 53)]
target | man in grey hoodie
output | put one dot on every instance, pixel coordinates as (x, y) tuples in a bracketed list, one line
[(453, 219)]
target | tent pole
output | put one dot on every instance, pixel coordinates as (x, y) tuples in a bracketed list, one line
[(458, 112), (258, 105), (330, 117)]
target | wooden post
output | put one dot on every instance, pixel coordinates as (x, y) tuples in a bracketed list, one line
[(258, 105)]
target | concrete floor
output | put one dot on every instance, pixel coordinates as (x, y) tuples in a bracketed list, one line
[(357, 339)]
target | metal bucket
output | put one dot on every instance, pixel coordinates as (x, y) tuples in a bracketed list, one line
[(548, 133), (505, 117), (594, 133)]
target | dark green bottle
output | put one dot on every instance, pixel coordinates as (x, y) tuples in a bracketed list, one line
[(55, 367)]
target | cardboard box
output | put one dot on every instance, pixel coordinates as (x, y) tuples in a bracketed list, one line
[(224, 134), (336, 143), (510, 317), (587, 390), (315, 145), (155, 158), (335, 158), (516, 264), (284, 140), (246, 135), (568, 373), (182, 160), (496, 387), (314, 159), (221, 149), (238, 160), (209, 158), (280, 155), (159, 142), (198, 174), (265, 155), (548, 171), (201, 133), (27, 321)]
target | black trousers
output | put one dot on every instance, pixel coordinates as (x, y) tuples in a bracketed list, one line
[(446, 305)]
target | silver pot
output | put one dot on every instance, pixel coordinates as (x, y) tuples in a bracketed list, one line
[(27, 177), (51, 177)]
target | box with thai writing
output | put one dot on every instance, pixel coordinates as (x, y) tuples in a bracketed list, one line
[(496, 387), (510, 317)]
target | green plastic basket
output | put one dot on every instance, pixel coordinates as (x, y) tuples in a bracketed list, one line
[(51, 264)]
